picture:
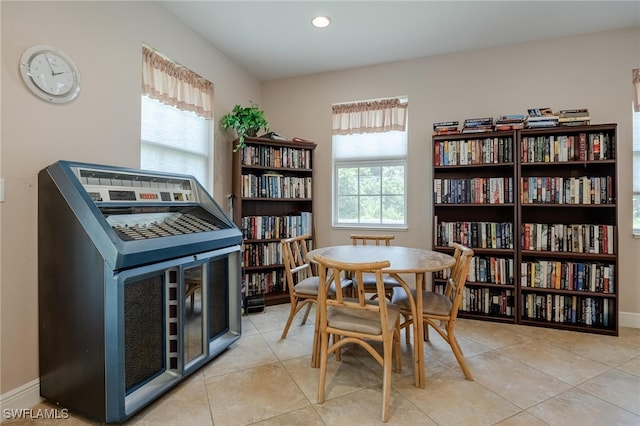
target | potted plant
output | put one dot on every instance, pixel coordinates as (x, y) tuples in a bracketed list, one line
[(246, 121)]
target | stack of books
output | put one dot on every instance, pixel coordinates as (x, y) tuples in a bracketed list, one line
[(574, 117), (477, 125), (510, 122), (541, 117), (446, 128)]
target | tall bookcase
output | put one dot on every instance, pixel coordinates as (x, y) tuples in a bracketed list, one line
[(568, 222), (474, 187), (272, 199), (559, 212)]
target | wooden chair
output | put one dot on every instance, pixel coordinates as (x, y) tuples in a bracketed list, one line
[(357, 320), (369, 280), (440, 311), (301, 282)]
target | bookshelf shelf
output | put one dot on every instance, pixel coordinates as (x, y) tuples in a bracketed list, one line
[(564, 195), (272, 199)]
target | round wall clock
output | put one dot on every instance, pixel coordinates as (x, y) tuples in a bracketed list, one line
[(50, 74)]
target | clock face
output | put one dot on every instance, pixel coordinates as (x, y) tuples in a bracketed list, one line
[(50, 74)]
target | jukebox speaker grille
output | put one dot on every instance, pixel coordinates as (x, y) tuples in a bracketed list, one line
[(143, 331)]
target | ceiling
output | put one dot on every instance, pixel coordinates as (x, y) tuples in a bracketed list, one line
[(275, 39)]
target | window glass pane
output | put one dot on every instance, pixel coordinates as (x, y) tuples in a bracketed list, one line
[(347, 180), (370, 211), (393, 180), (369, 180), (393, 209), (348, 208)]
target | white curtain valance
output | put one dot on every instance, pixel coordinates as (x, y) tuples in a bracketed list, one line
[(370, 117), (175, 85)]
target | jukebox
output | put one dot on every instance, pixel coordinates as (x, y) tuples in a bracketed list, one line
[(139, 285)]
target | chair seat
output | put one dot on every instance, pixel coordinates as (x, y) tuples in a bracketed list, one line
[(309, 286), (369, 281), (432, 303), (361, 321)]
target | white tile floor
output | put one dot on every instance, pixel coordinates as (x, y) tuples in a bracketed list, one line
[(523, 376)]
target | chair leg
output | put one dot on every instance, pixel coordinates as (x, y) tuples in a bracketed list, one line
[(455, 347), (324, 337), (292, 313), (306, 313), (396, 348), (386, 382)]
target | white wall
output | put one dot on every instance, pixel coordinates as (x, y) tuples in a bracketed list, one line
[(592, 71), (102, 126)]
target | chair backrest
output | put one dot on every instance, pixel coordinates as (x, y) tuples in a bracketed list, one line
[(329, 269), (294, 257), (372, 239), (458, 276)]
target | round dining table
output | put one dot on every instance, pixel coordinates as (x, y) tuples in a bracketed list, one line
[(403, 260)]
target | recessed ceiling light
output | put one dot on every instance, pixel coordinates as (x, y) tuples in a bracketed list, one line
[(321, 21)]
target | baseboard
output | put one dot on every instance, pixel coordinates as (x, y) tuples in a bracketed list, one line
[(629, 319), (22, 397)]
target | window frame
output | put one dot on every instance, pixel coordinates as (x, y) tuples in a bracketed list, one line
[(635, 170), (338, 164)]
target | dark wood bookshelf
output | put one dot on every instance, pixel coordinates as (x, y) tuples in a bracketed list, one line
[(281, 160), (567, 159)]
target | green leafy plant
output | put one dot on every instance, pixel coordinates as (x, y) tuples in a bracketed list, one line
[(246, 121)]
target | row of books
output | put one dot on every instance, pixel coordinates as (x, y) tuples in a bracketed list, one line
[(270, 156), (273, 185), (487, 269), (276, 227), (566, 309), (535, 118), (563, 275), (264, 254), (567, 190), (494, 235), (488, 301), (264, 282), (481, 190), (568, 238), (562, 148), (473, 152)]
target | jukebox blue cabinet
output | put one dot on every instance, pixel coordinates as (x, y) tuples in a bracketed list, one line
[(139, 285)]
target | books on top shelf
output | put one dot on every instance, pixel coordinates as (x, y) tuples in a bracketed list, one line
[(574, 117), (510, 122), (446, 128), (541, 117), (477, 125)]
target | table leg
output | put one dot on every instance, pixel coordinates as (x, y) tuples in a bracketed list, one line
[(419, 332)]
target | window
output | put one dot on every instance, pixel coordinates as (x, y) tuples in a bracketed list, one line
[(370, 175), (175, 141), (636, 173), (176, 134), (635, 82)]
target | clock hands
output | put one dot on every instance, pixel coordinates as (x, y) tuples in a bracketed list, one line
[(49, 63), (53, 74)]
